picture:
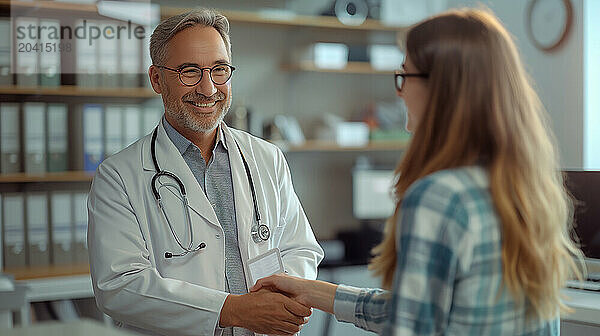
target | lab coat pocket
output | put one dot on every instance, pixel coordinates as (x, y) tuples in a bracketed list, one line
[(278, 232)]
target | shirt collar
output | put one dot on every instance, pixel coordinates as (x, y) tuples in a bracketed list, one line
[(182, 143)]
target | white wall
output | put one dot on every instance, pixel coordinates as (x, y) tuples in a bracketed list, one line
[(591, 35), (558, 76)]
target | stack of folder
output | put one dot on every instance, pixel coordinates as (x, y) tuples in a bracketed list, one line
[(97, 131), (109, 128), (43, 228), (102, 62)]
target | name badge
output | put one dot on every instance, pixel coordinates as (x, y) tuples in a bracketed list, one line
[(263, 265)]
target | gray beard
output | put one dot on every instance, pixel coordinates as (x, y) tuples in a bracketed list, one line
[(188, 122)]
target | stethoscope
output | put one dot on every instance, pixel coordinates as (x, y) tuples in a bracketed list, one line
[(260, 232)]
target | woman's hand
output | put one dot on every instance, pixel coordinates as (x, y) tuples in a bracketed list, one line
[(311, 293), (294, 287)]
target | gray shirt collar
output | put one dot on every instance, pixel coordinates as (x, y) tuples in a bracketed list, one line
[(182, 143)]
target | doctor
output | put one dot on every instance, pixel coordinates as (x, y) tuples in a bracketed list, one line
[(175, 217)]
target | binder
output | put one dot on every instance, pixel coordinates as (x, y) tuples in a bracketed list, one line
[(14, 230), (37, 229), (108, 64), (93, 151), (5, 54), (27, 61), (50, 55), (80, 218), (152, 115), (86, 58), (113, 129), (1, 238), (57, 138), (131, 60), (35, 137), (61, 224), (132, 123), (10, 135)]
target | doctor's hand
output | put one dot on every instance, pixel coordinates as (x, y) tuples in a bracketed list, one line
[(264, 312), (311, 293)]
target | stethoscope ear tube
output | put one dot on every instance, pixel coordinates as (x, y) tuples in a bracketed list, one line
[(259, 232), (171, 175), (160, 172), (251, 182)]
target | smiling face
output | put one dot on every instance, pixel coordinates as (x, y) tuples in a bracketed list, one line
[(415, 95), (198, 108)]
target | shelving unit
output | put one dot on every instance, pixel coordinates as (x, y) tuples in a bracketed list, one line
[(68, 176), (262, 18), (49, 5), (351, 68), (50, 271), (75, 91), (326, 146), (286, 20)]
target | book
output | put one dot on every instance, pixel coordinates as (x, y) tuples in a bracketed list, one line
[(113, 129), (5, 52), (49, 55), (86, 58), (132, 124), (13, 218), (57, 138), (108, 61), (35, 137), (93, 148), (61, 223), (38, 241), (80, 217), (10, 135), (26, 57), (130, 61)]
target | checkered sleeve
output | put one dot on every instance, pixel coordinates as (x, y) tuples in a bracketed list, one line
[(431, 236), (365, 308)]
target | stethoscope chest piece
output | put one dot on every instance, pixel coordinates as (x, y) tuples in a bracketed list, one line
[(261, 234)]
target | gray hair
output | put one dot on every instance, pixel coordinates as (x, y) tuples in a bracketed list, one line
[(174, 24)]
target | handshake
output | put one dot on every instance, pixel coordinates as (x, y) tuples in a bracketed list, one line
[(277, 305)]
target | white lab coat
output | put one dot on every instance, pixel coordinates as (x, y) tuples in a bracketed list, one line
[(128, 235)]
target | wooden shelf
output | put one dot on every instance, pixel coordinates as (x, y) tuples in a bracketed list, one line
[(262, 18), (291, 20), (351, 68), (75, 91), (327, 146), (50, 5), (68, 176), (49, 271)]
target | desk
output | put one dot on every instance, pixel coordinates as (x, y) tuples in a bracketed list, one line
[(57, 288), (585, 303), (585, 320), (76, 328)]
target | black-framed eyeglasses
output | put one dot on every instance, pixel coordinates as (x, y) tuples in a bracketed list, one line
[(190, 75), (399, 78)]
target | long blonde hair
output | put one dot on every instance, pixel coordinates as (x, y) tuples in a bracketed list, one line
[(483, 110)]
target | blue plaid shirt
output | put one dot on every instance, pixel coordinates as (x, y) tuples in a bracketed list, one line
[(448, 278)]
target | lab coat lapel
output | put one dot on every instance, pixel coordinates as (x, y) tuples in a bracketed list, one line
[(244, 210), (169, 159)]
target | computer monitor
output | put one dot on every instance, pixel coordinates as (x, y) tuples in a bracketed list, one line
[(585, 188), (372, 194)]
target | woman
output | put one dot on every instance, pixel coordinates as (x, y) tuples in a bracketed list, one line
[(479, 241)]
